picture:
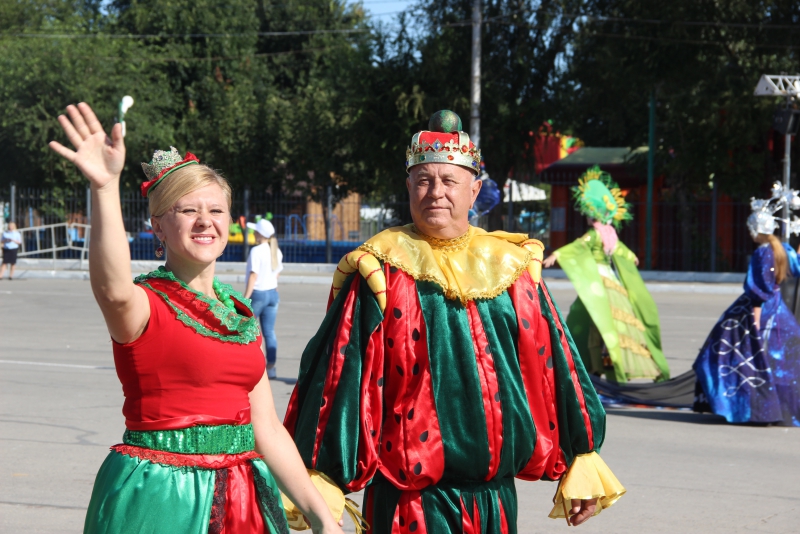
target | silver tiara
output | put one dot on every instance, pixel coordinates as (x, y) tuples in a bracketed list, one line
[(763, 219)]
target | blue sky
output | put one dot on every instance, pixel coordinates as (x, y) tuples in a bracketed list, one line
[(384, 10)]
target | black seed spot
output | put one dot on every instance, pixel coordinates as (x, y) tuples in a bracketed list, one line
[(344, 348), (399, 370), (530, 295), (373, 433), (397, 313), (402, 520), (388, 446), (402, 477), (412, 527), (550, 362), (552, 425), (392, 269), (418, 468), (497, 397), (525, 324), (488, 349), (390, 342), (415, 369), (424, 436), (397, 418), (541, 350), (411, 414), (415, 335), (380, 382)]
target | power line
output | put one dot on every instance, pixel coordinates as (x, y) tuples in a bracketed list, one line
[(688, 41), (173, 35), (212, 58)]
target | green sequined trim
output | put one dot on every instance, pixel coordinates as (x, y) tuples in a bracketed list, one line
[(247, 328), (222, 439)]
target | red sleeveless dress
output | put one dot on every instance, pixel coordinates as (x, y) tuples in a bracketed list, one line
[(173, 377)]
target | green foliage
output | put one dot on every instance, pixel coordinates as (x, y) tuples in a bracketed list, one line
[(302, 111), (703, 59)]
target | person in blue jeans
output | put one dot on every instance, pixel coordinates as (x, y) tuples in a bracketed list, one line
[(261, 276)]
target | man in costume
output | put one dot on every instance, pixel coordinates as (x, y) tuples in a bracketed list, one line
[(443, 369), (614, 321)]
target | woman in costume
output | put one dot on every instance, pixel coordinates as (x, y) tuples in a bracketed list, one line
[(261, 276), (203, 441), (748, 368), (614, 320)]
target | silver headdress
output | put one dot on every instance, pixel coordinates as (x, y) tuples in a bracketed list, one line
[(763, 219)]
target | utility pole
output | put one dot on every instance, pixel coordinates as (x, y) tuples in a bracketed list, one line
[(789, 88), (475, 90), (651, 154)]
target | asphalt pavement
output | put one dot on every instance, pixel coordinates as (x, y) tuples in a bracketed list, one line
[(60, 410)]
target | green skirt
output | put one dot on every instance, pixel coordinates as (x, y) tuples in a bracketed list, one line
[(193, 480)]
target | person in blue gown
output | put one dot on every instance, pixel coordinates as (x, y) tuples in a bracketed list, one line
[(748, 368)]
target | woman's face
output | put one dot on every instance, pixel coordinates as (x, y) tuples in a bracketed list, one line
[(195, 229)]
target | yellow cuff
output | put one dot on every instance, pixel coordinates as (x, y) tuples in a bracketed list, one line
[(334, 498), (588, 478)]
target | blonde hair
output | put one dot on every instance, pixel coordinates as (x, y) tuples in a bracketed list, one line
[(272, 243), (181, 182), (781, 259)]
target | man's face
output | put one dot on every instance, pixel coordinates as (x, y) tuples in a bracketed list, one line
[(441, 196)]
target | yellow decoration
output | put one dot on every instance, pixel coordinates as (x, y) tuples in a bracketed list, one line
[(588, 478), (334, 498), (627, 318), (478, 265), (370, 269), (535, 265), (611, 284), (626, 342), (239, 238)]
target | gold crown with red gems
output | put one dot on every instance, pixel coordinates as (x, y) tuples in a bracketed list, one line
[(443, 142)]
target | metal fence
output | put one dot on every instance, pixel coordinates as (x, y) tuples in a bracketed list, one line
[(682, 236), (299, 223)]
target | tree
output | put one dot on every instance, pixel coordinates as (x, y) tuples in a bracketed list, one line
[(425, 66), (702, 59), (52, 56)]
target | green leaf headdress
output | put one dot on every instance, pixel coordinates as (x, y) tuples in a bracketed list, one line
[(599, 197)]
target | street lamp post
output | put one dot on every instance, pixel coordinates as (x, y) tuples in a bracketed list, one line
[(789, 88)]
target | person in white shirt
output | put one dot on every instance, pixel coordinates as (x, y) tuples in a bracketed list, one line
[(11, 242), (261, 276)]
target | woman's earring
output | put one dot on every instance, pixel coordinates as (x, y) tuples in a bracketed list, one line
[(159, 251)]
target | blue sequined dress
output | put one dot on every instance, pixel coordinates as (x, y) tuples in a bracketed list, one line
[(749, 374)]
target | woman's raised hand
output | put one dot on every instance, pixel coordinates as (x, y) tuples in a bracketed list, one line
[(99, 157)]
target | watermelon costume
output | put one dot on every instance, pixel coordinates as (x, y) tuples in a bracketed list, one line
[(187, 462), (442, 371)]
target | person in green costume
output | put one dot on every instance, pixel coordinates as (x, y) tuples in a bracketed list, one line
[(614, 320)]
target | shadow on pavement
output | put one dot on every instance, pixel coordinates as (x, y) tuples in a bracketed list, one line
[(287, 381), (677, 416)]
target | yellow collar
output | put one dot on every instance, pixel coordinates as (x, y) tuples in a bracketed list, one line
[(477, 265)]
